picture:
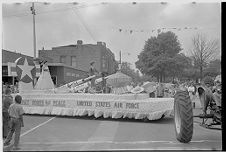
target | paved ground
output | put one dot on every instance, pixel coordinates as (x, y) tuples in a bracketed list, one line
[(86, 133)]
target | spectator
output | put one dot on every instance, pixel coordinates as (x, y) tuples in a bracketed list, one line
[(16, 122), (160, 91), (7, 100), (92, 71)]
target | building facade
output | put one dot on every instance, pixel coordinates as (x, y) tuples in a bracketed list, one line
[(60, 73), (80, 56)]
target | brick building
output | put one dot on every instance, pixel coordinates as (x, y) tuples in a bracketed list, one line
[(80, 55), (66, 63)]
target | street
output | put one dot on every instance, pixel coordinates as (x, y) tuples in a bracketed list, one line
[(88, 133)]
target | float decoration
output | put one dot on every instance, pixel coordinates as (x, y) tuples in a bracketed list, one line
[(45, 81), (60, 101), (118, 80), (26, 72)]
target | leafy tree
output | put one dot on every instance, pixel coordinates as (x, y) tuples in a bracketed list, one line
[(157, 57), (203, 51), (213, 69), (126, 69)]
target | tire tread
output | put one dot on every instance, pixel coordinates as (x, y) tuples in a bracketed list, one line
[(186, 113)]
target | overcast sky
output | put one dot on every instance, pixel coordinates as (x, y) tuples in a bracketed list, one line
[(122, 26)]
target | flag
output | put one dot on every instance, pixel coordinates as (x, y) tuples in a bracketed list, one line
[(12, 69)]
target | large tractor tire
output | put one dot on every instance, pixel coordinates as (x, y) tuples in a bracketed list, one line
[(183, 116)]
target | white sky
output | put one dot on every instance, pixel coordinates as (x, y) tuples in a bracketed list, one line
[(64, 23)]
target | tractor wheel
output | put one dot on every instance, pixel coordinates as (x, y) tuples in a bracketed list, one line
[(183, 116)]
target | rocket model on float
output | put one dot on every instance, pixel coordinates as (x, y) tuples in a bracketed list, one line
[(81, 84), (78, 82)]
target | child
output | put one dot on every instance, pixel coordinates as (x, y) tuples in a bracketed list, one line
[(16, 122)]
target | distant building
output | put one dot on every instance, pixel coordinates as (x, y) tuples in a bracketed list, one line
[(80, 56)]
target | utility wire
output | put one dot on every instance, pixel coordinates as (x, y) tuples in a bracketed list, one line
[(52, 11), (84, 24)]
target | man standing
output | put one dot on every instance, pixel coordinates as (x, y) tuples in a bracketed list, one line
[(104, 89), (160, 90), (92, 71), (7, 101), (16, 122)]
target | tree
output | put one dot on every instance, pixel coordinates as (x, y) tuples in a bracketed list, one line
[(126, 69), (179, 66), (203, 51), (213, 69), (157, 56)]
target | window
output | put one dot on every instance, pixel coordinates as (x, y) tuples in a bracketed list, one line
[(73, 61), (63, 59), (103, 62)]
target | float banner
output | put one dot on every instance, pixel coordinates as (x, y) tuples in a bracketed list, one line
[(114, 106)]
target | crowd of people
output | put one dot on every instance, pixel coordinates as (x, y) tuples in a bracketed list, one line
[(14, 88), (12, 114)]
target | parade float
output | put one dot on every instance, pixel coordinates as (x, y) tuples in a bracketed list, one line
[(76, 99)]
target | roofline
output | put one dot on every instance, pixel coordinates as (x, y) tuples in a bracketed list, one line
[(64, 65)]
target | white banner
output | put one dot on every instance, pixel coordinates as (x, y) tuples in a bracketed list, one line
[(107, 105)]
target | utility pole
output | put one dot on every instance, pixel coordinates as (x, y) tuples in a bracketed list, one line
[(120, 61), (34, 36), (120, 57), (33, 12)]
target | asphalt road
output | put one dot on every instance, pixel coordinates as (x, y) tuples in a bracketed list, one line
[(87, 133)]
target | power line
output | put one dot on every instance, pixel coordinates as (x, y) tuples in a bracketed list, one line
[(161, 29), (16, 15), (51, 11), (66, 9), (84, 24)]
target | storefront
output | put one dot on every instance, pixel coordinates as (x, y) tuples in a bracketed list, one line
[(8, 79)]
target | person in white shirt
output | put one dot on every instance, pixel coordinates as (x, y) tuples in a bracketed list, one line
[(16, 122)]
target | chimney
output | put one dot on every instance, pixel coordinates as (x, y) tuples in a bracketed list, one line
[(104, 44), (79, 42), (99, 43)]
